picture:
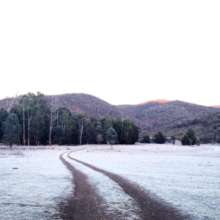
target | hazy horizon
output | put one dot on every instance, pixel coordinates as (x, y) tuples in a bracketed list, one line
[(124, 52), (139, 103)]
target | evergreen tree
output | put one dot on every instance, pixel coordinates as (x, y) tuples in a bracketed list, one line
[(118, 126), (12, 130), (216, 128), (90, 131), (159, 138), (37, 123), (33, 113), (111, 136), (65, 128), (3, 116), (106, 123), (189, 138), (145, 139), (99, 133), (127, 131), (39, 129)]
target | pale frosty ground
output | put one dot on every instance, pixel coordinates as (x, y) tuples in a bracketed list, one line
[(35, 188), (115, 200), (186, 177)]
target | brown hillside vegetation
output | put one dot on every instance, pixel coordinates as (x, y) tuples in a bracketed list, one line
[(170, 117)]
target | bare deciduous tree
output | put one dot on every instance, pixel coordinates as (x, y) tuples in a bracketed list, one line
[(52, 109), (81, 130)]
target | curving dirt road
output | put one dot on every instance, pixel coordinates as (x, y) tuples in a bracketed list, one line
[(84, 204), (86, 199)]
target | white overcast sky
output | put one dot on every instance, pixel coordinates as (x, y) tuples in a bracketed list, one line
[(122, 51)]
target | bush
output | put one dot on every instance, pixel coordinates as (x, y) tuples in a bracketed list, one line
[(12, 130), (111, 136), (128, 132), (189, 138), (159, 138), (146, 139)]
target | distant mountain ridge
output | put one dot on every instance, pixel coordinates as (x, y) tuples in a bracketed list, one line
[(85, 104), (215, 106), (170, 117), (156, 101), (76, 102)]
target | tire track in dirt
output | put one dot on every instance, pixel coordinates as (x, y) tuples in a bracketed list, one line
[(84, 204), (116, 203), (151, 208)]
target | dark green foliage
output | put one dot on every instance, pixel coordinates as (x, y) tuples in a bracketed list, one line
[(159, 138), (33, 121), (106, 123), (33, 115), (127, 131), (99, 133), (3, 116), (65, 128), (111, 136), (216, 128), (146, 139), (89, 134), (12, 130), (118, 126), (130, 132), (189, 138), (39, 125)]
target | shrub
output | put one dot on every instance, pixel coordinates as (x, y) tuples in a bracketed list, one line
[(111, 136), (189, 138), (146, 139), (159, 138)]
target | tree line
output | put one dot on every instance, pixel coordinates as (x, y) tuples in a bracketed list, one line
[(189, 138), (33, 121)]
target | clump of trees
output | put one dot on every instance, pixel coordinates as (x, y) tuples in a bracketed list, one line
[(111, 136), (216, 128), (33, 121), (159, 138), (146, 139), (12, 130), (3, 117), (189, 138)]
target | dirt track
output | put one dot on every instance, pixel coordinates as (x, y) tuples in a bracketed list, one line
[(84, 204), (151, 207)]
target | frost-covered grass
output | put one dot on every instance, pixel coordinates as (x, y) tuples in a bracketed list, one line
[(186, 177), (32, 184)]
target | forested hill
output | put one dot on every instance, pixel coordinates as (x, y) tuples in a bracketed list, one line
[(78, 102), (170, 117), (64, 120), (85, 104)]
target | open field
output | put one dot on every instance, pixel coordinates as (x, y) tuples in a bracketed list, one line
[(32, 184), (185, 177), (101, 182)]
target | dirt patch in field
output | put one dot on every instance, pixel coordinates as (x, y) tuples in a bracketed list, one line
[(151, 207), (84, 204)]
